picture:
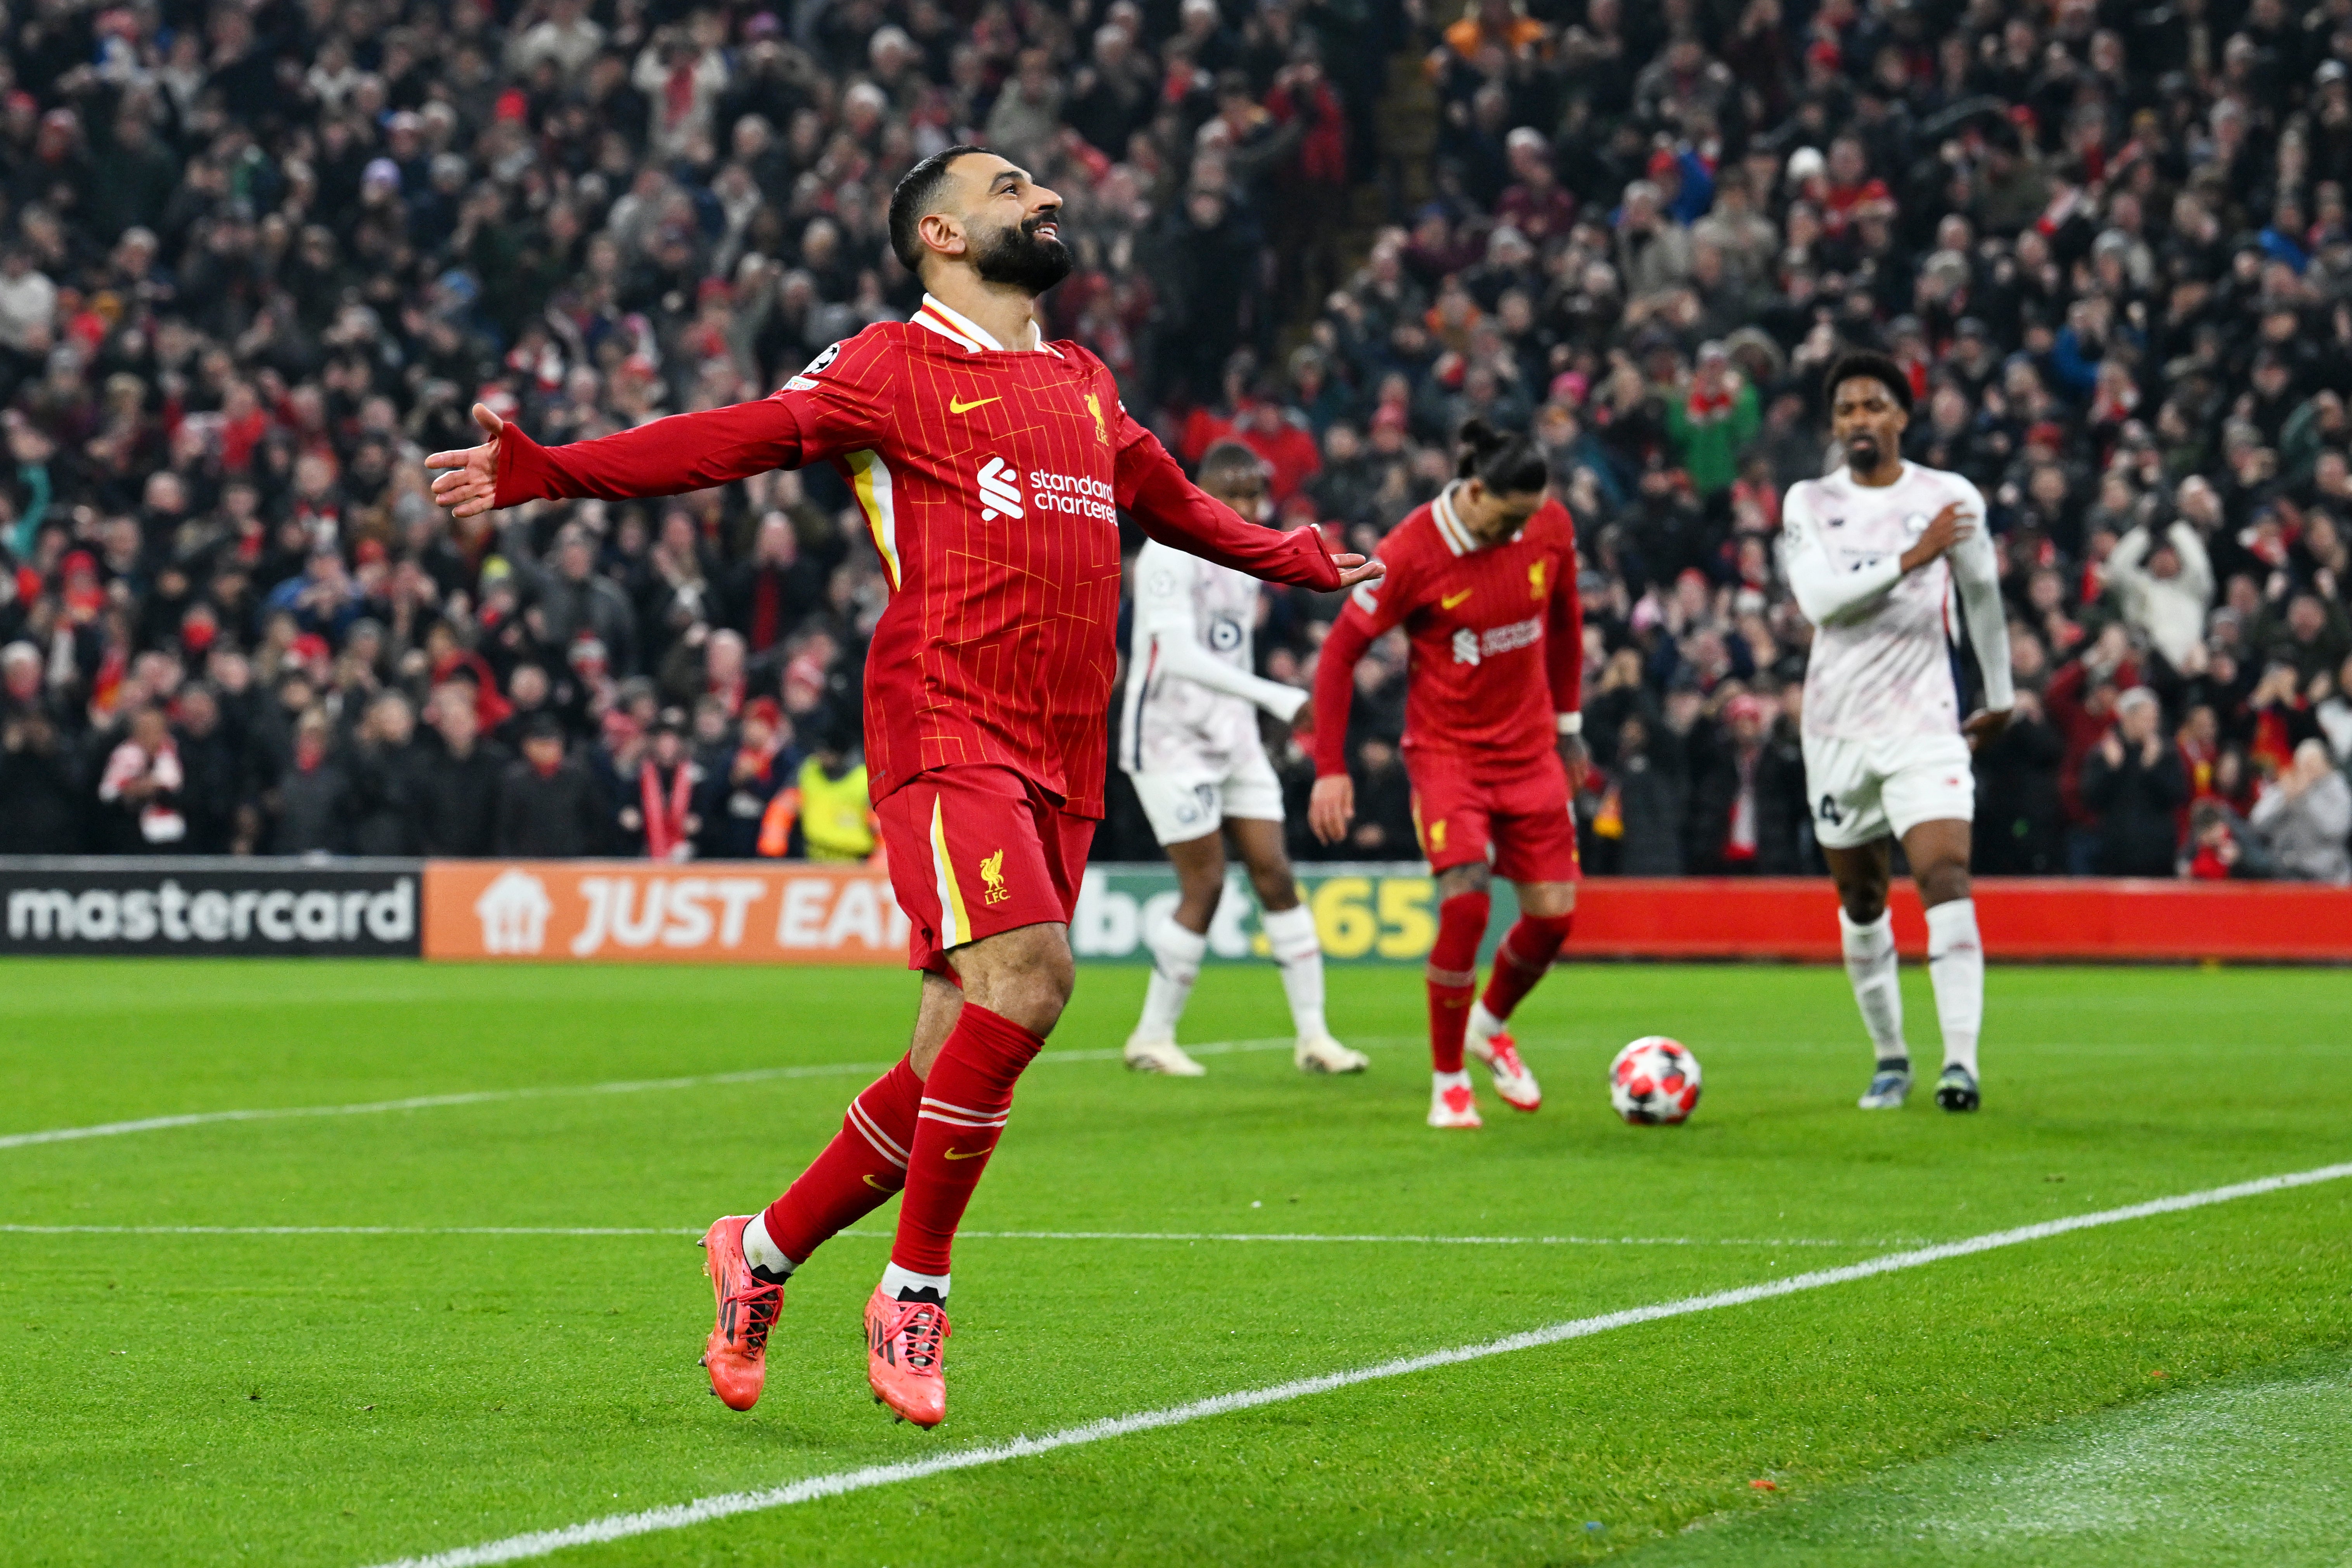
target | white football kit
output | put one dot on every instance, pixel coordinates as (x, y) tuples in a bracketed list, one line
[(1883, 751), (1189, 733)]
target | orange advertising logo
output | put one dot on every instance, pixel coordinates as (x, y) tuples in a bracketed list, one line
[(750, 912)]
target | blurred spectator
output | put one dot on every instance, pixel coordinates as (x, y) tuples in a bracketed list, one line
[(2134, 783), (549, 807), (658, 816), (388, 783), (462, 776), (2163, 587), (837, 824), (40, 798), (2222, 847), (1747, 802), (139, 793), (311, 800), (2305, 816)]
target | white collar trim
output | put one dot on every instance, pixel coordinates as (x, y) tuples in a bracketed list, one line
[(963, 329)]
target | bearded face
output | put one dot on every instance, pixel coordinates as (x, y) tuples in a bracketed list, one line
[(1029, 256)]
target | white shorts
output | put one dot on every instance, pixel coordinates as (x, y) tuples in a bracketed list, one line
[(1190, 805), (1863, 790)]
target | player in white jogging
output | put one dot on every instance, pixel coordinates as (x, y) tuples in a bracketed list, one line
[(1877, 553), (1189, 740)]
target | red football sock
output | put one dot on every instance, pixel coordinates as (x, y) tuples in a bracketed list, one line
[(1454, 975), (1527, 951), (964, 1103), (864, 1165)]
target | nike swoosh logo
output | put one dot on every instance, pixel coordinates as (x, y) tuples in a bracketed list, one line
[(965, 1154), (958, 406), (1451, 600), (877, 1186)]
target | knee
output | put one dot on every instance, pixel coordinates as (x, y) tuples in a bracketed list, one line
[(1456, 881), (1944, 882), (1863, 905), (1196, 903), (1044, 989), (1277, 890)]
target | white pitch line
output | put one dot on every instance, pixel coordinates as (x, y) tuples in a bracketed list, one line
[(493, 1096), (1188, 1235), (1166, 1236), (341, 1230), (727, 1505)]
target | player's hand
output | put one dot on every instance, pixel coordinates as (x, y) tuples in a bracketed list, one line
[(471, 485), (1575, 756), (1947, 528), (1355, 569), (1984, 727), (1332, 805)]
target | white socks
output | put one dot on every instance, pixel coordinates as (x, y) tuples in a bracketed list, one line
[(1956, 965), (1176, 955), (761, 1251), (899, 1283), (1290, 933), (1870, 965)]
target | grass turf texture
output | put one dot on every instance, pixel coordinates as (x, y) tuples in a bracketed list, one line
[(348, 1399)]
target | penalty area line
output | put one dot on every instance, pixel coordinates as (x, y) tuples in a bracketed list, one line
[(728, 1505)]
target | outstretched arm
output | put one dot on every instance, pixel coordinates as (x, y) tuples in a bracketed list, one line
[(1173, 511), (669, 457), (841, 401), (1168, 640)]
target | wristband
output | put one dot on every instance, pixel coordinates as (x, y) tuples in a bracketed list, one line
[(1572, 723)]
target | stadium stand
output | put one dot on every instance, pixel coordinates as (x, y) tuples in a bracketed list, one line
[(257, 260)]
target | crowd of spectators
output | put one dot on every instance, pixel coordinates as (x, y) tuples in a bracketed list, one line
[(256, 258)]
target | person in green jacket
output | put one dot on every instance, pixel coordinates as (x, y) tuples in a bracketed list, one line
[(1711, 421)]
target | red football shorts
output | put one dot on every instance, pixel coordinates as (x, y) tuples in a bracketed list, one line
[(976, 851), (1516, 815)]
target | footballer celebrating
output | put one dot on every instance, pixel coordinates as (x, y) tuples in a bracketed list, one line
[(987, 463), (1483, 579), (1874, 554), (1189, 741)]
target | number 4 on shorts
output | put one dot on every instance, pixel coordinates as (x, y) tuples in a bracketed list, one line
[(1829, 810)]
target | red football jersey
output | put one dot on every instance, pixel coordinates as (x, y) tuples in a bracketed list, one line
[(989, 479), (1496, 638)]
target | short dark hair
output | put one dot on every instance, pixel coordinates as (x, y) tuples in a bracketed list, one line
[(1230, 457), (1868, 365), (1507, 462), (911, 198)]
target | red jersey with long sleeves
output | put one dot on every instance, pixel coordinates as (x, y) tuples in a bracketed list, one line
[(989, 479), (1496, 636)]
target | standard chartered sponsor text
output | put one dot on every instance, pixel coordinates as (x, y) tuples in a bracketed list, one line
[(1073, 494)]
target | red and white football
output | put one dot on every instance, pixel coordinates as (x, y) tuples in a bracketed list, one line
[(1655, 1081)]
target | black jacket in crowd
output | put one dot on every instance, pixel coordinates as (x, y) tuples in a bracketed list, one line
[(2136, 804), (387, 799), (550, 817), (459, 799)]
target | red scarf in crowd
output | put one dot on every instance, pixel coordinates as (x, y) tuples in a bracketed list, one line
[(665, 820)]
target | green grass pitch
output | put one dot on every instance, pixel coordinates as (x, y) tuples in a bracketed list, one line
[(2170, 1390)]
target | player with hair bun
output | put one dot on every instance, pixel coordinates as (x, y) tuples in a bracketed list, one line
[(1483, 580)]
